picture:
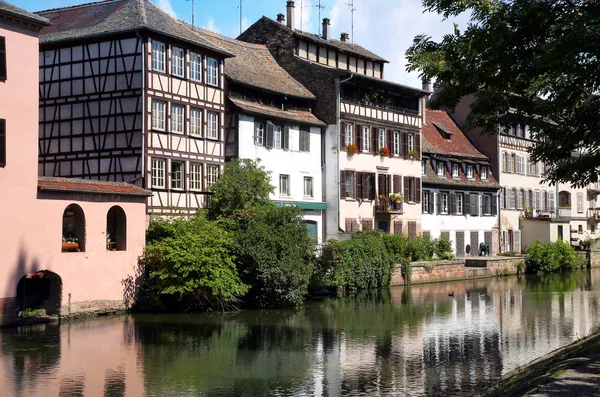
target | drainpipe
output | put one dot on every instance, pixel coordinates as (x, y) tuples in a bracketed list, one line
[(338, 122), (143, 111), (498, 164), (499, 218)]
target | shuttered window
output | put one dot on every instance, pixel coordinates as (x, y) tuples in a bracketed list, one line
[(517, 242), (397, 227), (304, 144), (2, 142), (2, 59)]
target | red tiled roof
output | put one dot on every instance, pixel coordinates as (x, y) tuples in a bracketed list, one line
[(434, 140), (72, 185)]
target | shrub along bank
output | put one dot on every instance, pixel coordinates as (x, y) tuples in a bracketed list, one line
[(551, 257)]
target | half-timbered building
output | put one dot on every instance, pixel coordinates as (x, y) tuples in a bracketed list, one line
[(269, 118), (460, 192), (372, 140), (128, 93)]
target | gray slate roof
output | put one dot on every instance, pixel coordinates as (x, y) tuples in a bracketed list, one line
[(117, 16), (19, 13), (346, 47), (268, 111), (254, 66)]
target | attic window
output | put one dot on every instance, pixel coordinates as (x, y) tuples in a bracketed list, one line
[(446, 133)]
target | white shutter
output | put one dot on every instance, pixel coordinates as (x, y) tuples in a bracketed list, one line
[(517, 243), (505, 241)]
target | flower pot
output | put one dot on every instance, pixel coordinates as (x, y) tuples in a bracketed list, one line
[(70, 246)]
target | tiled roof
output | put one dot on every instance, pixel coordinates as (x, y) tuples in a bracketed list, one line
[(438, 124), (431, 178), (253, 65), (267, 111), (346, 47), (117, 16), (19, 13), (72, 185)]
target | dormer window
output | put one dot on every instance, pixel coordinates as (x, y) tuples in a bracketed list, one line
[(484, 172), (445, 132), (440, 169), (454, 170), (470, 171)]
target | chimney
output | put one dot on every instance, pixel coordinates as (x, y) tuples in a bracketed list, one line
[(426, 84), (281, 18), (290, 14), (344, 37), (326, 29), (426, 87)]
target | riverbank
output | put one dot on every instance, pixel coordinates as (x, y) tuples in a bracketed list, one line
[(571, 370)]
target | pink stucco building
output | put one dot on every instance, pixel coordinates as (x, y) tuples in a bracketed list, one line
[(66, 245)]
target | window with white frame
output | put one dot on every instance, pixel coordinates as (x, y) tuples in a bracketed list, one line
[(177, 118), (381, 140), (511, 163), (520, 199), (158, 173), (551, 201), (212, 71), (487, 204), (423, 165), (308, 186), (520, 165), (454, 170), (177, 58), (277, 136), (484, 171), (425, 201), (284, 185), (195, 176), (158, 114), (349, 136), (158, 56), (512, 193), (195, 122), (212, 125), (177, 174), (441, 169), (536, 200), (411, 142), (443, 202), (195, 66), (502, 195), (459, 203), (212, 175), (579, 202), (504, 162), (366, 138), (349, 184), (259, 134), (396, 143), (470, 171)]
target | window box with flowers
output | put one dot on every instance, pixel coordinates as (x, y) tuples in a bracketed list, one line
[(396, 201), (351, 149), (384, 152), (413, 154)]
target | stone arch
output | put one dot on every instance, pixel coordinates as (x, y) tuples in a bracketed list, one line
[(40, 290), (73, 229), (116, 229)]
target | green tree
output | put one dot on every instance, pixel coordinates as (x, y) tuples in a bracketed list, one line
[(191, 260), (274, 254), (243, 185), (513, 53)]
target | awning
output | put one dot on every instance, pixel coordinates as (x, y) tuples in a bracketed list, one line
[(302, 205)]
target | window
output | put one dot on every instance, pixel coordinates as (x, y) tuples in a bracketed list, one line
[(381, 140), (579, 202), (551, 204), (440, 169), (212, 125), (425, 202), (158, 56), (538, 200), (349, 184), (177, 175), (484, 171), (504, 162), (396, 143), (73, 229), (459, 204), (502, 198), (212, 175), (195, 176), (511, 163), (195, 66), (2, 142), (454, 170), (544, 201), (580, 229), (195, 122), (486, 205), (259, 134), (308, 186), (411, 142), (593, 228), (520, 199), (443, 203), (304, 143), (158, 114), (116, 229), (366, 138), (2, 59), (511, 198), (284, 185), (158, 173), (277, 137), (423, 165), (212, 71), (349, 137), (177, 118), (470, 171), (520, 165), (412, 188), (177, 57)]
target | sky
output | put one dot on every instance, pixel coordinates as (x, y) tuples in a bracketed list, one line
[(385, 27)]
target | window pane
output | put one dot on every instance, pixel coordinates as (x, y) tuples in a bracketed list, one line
[(177, 56), (158, 173), (212, 68), (308, 186), (177, 117), (396, 143), (158, 114), (195, 176), (366, 138), (158, 56), (176, 175), (277, 137), (212, 174), (284, 185), (349, 184), (195, 122), (195, 66), (349, 133), (259, 134), (212, 125)]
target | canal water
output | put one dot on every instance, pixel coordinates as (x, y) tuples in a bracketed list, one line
[(408, 341)]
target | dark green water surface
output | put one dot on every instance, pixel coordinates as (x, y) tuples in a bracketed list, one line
[(414, 341)]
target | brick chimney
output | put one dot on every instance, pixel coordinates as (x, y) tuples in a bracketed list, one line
[(326, 29), (344, 37), (281, 18), (290, 14)]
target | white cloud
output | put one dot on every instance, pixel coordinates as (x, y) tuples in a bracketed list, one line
[(211, 25), (387, 28), (304, 12), (166, 6)]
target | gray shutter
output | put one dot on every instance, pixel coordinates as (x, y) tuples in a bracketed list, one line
[(431, 203), (474, 204), (494, 199), (286, 137), (453, 203), (343, 185), (467, 204), (270, 134), (517, 242), (307, 140), (482, 204), (343, 135), (439, 203), (2, 59)]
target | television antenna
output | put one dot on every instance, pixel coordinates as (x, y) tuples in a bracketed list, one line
[(352, 9), (193, 12), (318, 6)]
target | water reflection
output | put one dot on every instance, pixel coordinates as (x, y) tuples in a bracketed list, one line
[(415, 341)]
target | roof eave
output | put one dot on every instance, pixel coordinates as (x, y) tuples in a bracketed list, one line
[(269, 91), (84, 191)]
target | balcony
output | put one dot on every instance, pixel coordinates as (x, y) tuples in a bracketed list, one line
[(387, 207), (564, 212), (594, 213), (594, 188)]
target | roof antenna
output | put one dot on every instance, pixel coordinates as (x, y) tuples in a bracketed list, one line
[(241, 6), (193, 12), (352, 9)]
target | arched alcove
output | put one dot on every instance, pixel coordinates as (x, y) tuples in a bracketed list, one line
[(116, 229), (564, 199), (40, 290), (73, 229)]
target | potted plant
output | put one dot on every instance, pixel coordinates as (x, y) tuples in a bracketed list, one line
[(529, 212), (413, 154), (384, 152), (396, 201), (70, 242), (351, 149)]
